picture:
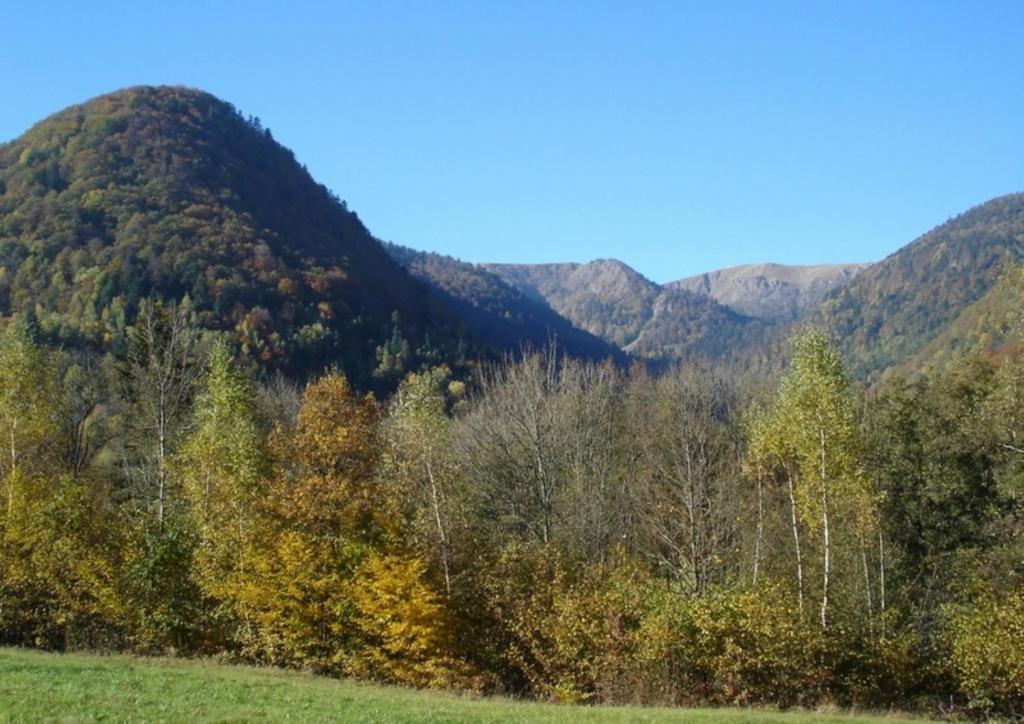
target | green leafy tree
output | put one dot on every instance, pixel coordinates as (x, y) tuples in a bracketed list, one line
[(223, 466), (816, 407), (421, 461)]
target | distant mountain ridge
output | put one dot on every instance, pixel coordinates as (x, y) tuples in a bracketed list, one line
[(605, 297), (618, 304), (775, 292), (921, 308)]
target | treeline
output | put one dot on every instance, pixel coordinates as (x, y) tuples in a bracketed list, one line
[(549, 528)]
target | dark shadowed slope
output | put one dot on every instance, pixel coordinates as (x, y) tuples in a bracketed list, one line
[(504, 317)]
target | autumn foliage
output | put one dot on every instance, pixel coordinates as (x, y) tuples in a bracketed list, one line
[(549, 528)]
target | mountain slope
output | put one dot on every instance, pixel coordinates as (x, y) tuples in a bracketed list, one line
[(775, 292), (504, 317), (168, 192), (604, 297), (611, 300), (686, 324), (988, 325), (899, 306)]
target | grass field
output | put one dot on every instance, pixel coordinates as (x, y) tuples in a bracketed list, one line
[(38, 686)]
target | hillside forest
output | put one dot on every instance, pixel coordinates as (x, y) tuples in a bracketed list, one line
[(543, 527)]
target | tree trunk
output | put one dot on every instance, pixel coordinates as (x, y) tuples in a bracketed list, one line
[(691, 510), (796, 542), (760, 521), (160, 473), (881, 578), (14, 467), (442, 532), (827, 534), (867, 586)]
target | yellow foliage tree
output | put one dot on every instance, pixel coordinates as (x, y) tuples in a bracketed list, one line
[(296, 599), (327, 480), (323, 517), (406, 631)]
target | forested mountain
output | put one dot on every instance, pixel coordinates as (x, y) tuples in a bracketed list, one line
[(985, 327), (504, 317), (171, 193), (898, 307), (618, 304), (771, 291)]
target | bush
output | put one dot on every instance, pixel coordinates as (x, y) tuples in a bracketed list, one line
[(987, 643), (568, 631), (732, 647)]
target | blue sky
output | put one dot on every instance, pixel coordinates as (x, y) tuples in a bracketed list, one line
[(679, 137)]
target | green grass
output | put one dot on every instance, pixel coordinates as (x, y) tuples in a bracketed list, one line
[(38, 686)]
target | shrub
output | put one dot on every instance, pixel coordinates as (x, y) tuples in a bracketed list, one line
[(987, 643)]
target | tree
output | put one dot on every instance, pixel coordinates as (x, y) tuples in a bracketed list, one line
[(592, 404), (514, 445), (986, 654), (770, 458), (84, 412), (29, 399), (28, 428), (406, 631), (326, 481), (688, 489), (326, 511), (158, 376), (814, 398), (421, 460), (935, 457), (223, 463)]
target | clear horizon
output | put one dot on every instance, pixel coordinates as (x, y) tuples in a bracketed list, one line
[(676, 139)]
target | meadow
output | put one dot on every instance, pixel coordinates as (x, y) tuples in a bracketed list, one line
[(37, 686)]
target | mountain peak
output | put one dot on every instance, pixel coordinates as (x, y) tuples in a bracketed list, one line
[(166, 191)]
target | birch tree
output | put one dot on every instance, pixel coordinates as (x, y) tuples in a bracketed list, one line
[(421, 457), (28, 409), (158, 377), (223, 463), (815, 398), (771, 462)]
